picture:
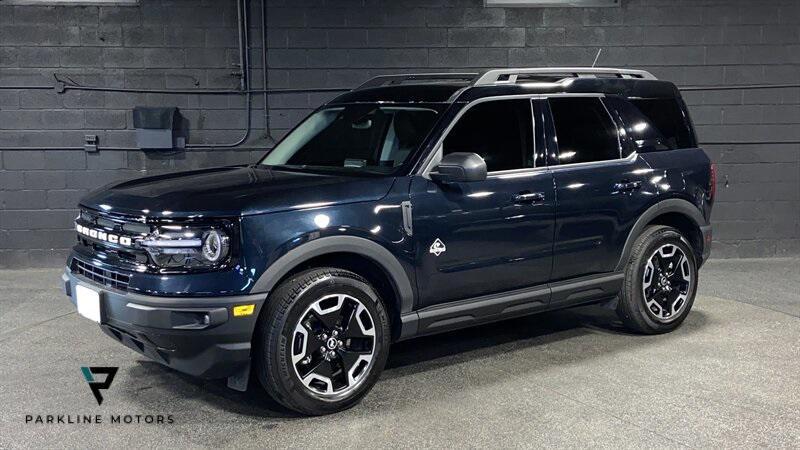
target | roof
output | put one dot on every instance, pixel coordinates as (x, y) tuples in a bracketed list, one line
[(442, 88), (406, 93)]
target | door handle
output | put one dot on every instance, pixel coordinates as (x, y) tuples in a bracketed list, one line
[(529, 197), (626, 185)]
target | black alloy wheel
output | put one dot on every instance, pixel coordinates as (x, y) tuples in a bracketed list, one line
[(322, 341), (666, 282), (660, 281), (333, 345)]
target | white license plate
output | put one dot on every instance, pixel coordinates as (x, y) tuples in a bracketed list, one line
[(88, 301)]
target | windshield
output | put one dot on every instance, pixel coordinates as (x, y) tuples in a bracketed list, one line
[(359, 138)]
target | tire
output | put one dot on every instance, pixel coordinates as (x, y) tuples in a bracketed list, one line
[(322, 341), (650, 304)]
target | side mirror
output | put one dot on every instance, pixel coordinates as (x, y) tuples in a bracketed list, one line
[(459, 168)]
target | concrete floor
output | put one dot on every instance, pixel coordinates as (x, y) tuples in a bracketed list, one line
[(730, 377)]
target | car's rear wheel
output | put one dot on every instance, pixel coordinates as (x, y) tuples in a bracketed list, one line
[(660, 281), (322, 341)]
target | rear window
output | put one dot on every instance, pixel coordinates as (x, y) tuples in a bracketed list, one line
[(669, 120)]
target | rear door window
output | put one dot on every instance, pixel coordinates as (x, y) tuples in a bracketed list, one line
[(584, 130)]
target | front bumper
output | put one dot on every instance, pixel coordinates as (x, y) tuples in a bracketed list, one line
[(198, 336)]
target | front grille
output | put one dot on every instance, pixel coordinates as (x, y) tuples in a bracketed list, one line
[(104, 225), (105, 277)]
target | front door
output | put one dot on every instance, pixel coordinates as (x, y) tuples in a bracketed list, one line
[(489, 236)]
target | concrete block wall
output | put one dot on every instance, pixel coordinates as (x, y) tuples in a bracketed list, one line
[(168, 44)]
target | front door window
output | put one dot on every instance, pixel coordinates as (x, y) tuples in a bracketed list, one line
[(500, 132)]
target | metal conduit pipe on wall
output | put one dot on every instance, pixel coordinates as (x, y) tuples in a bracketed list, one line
[(265, 70), (60, 87), (244, 89), (242, 10)]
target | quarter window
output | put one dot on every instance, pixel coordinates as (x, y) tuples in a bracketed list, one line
[(501, 132), (667, 116), (584, 130)]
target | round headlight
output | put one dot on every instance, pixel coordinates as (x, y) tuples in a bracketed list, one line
[(215, 246)]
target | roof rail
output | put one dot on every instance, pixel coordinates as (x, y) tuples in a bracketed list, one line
[(494, 76), (397, 79)]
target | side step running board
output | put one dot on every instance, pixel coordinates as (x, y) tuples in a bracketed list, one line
[(508, 305)]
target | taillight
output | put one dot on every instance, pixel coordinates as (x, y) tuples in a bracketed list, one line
[(712, 181)]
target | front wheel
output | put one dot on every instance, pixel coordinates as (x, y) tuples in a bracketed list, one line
[(322, 342), (660, 281)]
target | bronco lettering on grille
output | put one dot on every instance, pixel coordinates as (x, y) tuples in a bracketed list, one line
[(103, 236)]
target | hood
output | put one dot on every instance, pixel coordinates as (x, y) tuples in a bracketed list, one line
[(233, 191)]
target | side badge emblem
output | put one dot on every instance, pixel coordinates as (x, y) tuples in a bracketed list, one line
[(437, 248)]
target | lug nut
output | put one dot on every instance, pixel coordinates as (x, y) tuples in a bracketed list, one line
[(341, 344), (324, 336), (334, 333)]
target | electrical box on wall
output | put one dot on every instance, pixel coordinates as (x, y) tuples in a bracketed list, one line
[(553, 3), (155, 127)]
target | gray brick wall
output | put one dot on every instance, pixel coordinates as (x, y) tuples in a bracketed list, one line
[(333, 43)]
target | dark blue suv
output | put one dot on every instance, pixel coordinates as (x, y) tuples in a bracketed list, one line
[(412, 205)]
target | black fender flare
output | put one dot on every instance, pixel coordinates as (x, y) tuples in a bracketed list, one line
[(672, 205), (341, 244)]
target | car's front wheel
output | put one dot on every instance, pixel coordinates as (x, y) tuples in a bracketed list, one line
[(660, 281), (322, 341)]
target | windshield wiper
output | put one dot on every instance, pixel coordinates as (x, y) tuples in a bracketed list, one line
[(328, 169)]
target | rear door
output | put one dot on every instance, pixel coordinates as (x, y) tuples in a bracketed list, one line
[(490, 236), (598, 185)]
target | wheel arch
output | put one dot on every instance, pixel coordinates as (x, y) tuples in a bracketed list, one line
[(677, 213), (377, 264)]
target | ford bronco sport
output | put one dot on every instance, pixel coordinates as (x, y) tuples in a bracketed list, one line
[(412, 205)]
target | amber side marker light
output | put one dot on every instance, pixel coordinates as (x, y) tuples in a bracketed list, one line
[(243, 310)]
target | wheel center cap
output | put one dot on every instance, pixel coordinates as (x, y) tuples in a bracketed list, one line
[(332, 343)]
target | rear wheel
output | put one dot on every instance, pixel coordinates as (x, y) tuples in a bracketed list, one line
[(660, 281), (322, 342)]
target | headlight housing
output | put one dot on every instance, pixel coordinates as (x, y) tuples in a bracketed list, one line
[(216, 245), (190, 246)]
